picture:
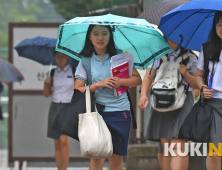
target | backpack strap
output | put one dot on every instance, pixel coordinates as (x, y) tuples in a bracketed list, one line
[(183, 57), (53, 72), (206, 62), (52, 75), (164, 59), (86, 63)]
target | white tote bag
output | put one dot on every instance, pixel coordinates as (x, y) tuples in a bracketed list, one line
[(94, 136)]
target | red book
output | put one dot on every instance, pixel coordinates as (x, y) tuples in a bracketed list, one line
[(121, 71)]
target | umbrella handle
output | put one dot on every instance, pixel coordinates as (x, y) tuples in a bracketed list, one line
[(181, 41)]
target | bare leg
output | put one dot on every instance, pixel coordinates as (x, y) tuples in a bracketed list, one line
[(160, 159), (64, 145), (116, 162), (213, 162), (58, 156), (178, 162), (96, 164), (166, 159)]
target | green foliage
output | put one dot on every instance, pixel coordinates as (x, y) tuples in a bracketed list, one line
[(70, 9), (73, 8), (3, 133), (25, 11), (16, 11)]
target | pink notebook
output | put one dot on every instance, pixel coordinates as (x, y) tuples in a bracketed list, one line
[(121, 71)]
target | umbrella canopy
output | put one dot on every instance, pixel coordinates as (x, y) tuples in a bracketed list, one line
[(136, 36), (191, 23), (41, 50), (9, 73), (154, 13)]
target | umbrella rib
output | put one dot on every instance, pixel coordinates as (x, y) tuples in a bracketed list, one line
[(129, 42), (73, 35), (198, 27), (139, 30), (169, 19), (183, 21)]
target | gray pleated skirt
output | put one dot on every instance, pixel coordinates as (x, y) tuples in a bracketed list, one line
[(167, 124), (216, 118), (54, 110)]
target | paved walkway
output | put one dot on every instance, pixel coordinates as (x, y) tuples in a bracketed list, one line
[(4, 164)]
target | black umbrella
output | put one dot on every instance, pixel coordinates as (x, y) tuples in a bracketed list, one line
[(154, 13)]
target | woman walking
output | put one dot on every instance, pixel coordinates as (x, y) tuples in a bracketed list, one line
[(61, 85), (164, 126), (100, 47), (211, 52)]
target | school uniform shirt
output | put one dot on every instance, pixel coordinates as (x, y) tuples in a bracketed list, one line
[(63, 85), (191, 65), (100, 69), (200, 65)]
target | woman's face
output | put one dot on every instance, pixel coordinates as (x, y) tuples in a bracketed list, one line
[(61, 59), (100, 37), (172, 44), (219, 29)]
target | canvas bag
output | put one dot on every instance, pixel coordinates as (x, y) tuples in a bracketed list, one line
[(94, 136), (168, 90)]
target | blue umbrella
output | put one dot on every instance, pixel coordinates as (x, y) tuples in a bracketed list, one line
[(9, 73), (191, 23), (41, 50), (136, 36)]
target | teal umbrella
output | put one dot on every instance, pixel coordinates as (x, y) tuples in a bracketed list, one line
[(136, 36)]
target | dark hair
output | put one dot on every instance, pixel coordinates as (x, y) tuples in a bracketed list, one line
[(214, 40), (88, 48), (182, 52), (55, 52)]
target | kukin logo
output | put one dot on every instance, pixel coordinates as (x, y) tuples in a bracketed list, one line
[(192, 149)]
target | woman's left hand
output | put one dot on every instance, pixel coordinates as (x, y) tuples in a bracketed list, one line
[(118, 82), (183, 69)]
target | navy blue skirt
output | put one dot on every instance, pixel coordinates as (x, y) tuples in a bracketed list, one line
[(119, 124)]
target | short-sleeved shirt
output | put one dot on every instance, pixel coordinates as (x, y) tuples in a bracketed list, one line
[(200, 65), (63, 85), (191, 65), (100, 69)]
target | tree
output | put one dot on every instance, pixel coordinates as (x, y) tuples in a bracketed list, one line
[(15, 11), (73, 8)]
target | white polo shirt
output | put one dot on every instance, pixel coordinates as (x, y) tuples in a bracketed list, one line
[(63, 85)]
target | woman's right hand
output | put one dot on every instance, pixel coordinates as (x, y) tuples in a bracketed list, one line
[(142, 102), (48, 80), (107, 82), (207, 92)]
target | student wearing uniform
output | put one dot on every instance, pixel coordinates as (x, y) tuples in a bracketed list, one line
[(164, 126), (61, 89), (211, 51), (100, 47)]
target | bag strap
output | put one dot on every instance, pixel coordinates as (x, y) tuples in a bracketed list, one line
[(86, 63), (164, 59), (52, 75), (206, 62), (53, 72), (88, 100), (132, 111), (183, 57)]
